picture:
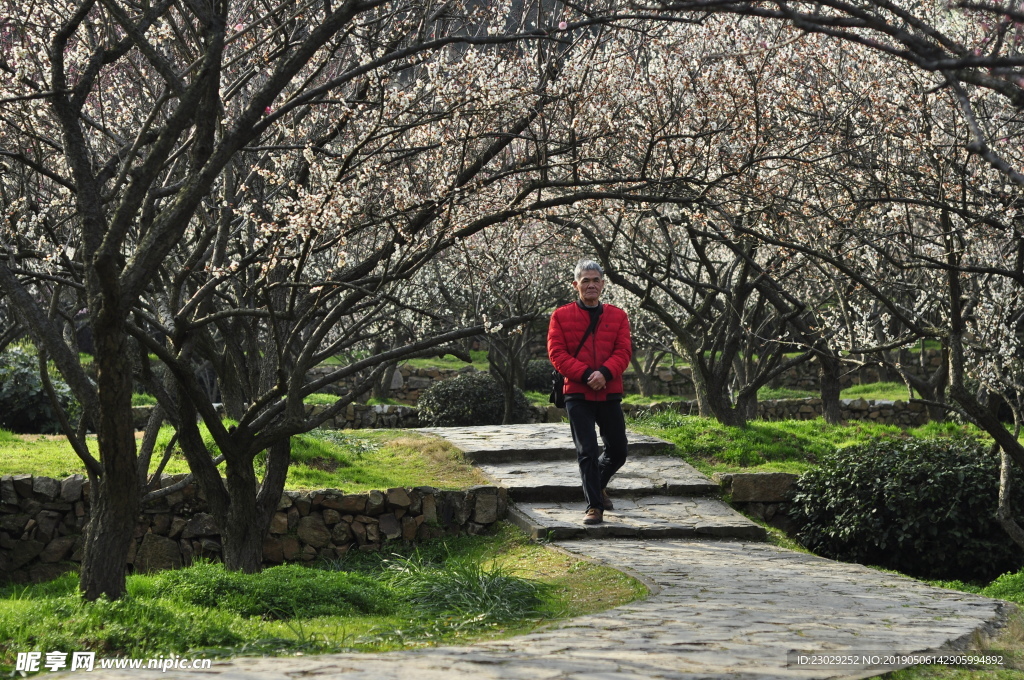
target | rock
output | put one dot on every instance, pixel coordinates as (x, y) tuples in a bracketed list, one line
[(409, 527), (768, 487), (157, 553), (293, 518), (46, 487), (14, 524), (429, 508), (475, 529), (41, 573), (8, 495), (304, 503), (22, 485), (331, 517), (279, 524), (58, 549), (353, 504), (273, 550), (187, 552), (373, 533), (485, 507), (285, 502), (375, 503), (333, 500), (178, 525), (398, 498), (162, 523), (47, 521), (71, 488), (201, 524), (308, 553), (313, 531), (210, 546), (341, 534), (290, 548), (390, 526), (25, 552), (359, 531)]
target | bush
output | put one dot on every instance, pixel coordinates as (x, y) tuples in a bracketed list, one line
[(24, 405), (925, 507), (468, 399), (538, 375)]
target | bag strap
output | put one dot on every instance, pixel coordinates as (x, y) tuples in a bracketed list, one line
[(590, 329)]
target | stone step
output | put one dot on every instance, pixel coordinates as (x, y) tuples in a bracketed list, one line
[(642, 475), (494, 444), (651, 517)]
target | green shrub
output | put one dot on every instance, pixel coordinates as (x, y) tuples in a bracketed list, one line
[(276, 593), (538, 375), (468, 399), (24, 405), (925, 507)]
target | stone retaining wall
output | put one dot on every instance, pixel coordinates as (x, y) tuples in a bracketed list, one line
[(408, 382), (42, 521), (904, 414)]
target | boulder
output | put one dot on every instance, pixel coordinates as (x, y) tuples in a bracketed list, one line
[(390, 526), (157, 553), (201, 524), (46, 488), (766, 487), (313, 531), (71, 488)]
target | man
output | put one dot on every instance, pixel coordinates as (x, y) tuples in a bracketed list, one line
[(589, 344)]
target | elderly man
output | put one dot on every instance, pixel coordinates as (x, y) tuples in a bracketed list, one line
[(589, 344)]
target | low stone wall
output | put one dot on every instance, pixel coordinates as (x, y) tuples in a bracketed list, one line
[(42, 521), (900, 413), (762, 495)]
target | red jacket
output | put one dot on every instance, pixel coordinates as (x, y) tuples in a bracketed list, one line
[(608, 349)]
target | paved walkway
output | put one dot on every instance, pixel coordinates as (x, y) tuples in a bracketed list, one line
[(718, 609)]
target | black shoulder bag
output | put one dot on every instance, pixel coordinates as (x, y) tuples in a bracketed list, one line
[(557, 379)]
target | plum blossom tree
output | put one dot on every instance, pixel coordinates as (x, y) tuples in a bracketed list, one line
[(247, 185)]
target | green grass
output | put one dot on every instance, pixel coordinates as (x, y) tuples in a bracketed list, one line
[(776, 446), (448, 361), (1007, 643), (140, 399), (884, 391), (463, 589), (353, 461)]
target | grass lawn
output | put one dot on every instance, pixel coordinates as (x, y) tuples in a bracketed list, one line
[(448, 361), (463, 589), (350, 460), (764, 446)]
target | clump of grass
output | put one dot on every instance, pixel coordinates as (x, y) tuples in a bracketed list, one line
[(276, 593), (770, 393), (466, 588)]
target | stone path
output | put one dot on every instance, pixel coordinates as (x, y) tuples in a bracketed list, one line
[(718, 608)]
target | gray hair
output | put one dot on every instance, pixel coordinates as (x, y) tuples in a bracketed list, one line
[(585, 265)]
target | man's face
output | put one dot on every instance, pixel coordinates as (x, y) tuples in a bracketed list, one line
[(589, 287)]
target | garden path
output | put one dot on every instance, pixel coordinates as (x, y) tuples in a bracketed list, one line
[(718, 608)]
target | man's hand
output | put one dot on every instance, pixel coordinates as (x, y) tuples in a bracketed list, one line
[(596, 381)]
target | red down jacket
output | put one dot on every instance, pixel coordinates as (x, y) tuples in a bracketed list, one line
[(609, 348)]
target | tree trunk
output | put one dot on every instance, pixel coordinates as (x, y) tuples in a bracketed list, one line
[(643, 381), (116, 495), (248, 516), (829, 382)]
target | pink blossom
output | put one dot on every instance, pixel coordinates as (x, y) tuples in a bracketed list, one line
[(266, 111), (562, 25)]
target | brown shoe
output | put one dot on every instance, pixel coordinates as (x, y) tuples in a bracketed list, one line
[(594, 516), (606, 500)]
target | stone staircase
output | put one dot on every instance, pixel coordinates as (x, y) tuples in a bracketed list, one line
[(655, 495)]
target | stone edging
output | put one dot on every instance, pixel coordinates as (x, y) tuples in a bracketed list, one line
[(42, 521)]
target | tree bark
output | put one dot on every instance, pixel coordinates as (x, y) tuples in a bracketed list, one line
[(116, 500), (828, 375)]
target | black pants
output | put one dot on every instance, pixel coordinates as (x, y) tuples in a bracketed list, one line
[(597, 468)]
